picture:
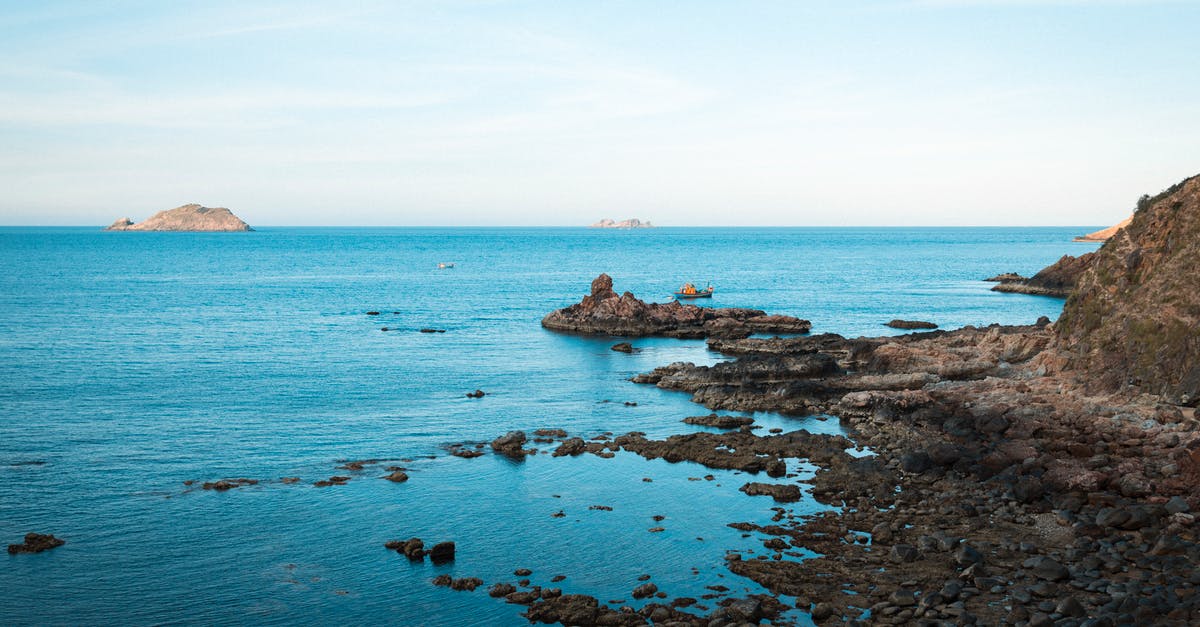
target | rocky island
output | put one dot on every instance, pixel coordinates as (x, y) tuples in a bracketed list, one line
[(1030, 475), (191, 217), (631, 223), (603, 312)]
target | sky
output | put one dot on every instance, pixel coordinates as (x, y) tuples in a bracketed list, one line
[(688, 113)]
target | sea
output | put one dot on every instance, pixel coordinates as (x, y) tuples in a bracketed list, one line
[(134, 364)]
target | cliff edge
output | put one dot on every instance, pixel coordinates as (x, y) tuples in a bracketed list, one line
[(191, 217), (1134, 318)]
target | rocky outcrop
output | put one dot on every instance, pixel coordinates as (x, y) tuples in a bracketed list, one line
[(191, 217), (1134, 319), (36, 543), (910, 324), (630, 223), (1103, 235), (604, 312), (1057, 280)]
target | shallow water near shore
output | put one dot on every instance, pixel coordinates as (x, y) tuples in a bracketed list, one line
[(132, 362)]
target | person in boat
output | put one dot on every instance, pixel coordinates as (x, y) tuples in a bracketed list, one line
[(688, 288)]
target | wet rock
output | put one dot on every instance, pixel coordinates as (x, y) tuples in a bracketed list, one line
[(335, 480), (720, 422), (911, 324), (822, 612), (443, 580), (784, 493), (501, 590), (413, 549), (476, 394), (522, 572), (510, 444), (644, 591), (442, 552), (571, 446), (36, 543), (623, 347), (430, 330), (550, 433), (523, 597), (568, 609), (397, 477)]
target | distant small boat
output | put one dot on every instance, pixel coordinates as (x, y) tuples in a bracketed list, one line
[(443, 266), (689, 291)]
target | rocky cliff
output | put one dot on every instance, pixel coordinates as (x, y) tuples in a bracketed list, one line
[(191, 217), (1133, 319), (1057, 279)]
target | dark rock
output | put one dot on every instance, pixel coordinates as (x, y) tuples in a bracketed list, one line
[(645, 590), (442, 552), (510, 444), (623, 347), (911, 324), (915, 462), (476, 394), (784, 493), (720, 422), (36, 543), (902, 553), (222, 485), (501, 590), (413, 549), (443, 580), (522, 572), (572, 446), (397, 477), (466, 583), (1047, 568)]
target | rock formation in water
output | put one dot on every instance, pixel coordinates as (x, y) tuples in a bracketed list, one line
[(1135, 317), (1057, 279), (191, 217), (604, 312), (1103, 235), (631, 223)]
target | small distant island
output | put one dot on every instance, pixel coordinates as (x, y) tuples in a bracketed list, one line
[(191, 217), (1103, 235), (631, 223)]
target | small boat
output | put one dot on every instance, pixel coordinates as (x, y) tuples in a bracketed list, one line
[(443, 266), (690, 291)]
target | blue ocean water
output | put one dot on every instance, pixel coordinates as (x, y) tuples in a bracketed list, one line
[(132, 362)]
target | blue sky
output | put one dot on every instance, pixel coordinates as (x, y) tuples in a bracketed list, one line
[(886, 112)]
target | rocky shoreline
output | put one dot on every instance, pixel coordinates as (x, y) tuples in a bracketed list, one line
[(1030, 475)]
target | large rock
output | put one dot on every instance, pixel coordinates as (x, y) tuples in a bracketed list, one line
[(604, 312), (1134, 318), (191, 217)]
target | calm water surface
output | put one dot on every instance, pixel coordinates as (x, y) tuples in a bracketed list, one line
[(132, 362)]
